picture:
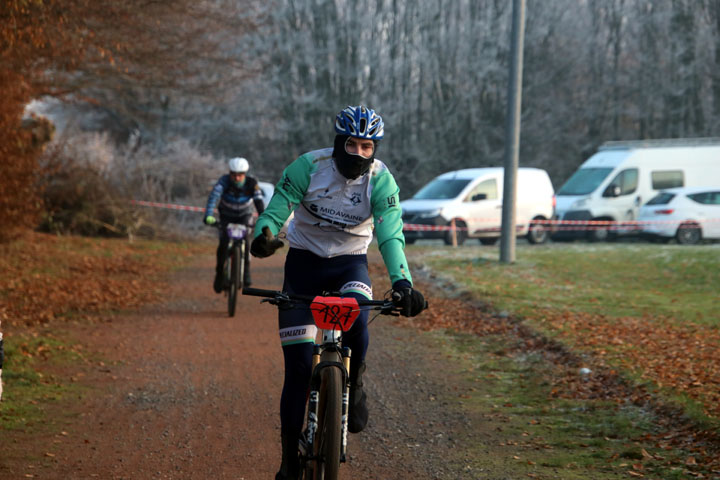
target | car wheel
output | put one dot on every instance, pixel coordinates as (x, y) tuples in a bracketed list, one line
[(601, 233), (689, 234), (460, 233), (537, 233)]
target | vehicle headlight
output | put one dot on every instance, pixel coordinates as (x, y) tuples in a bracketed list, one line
[(579, 203)]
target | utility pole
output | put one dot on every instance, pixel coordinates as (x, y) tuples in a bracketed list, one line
[(512, 133)]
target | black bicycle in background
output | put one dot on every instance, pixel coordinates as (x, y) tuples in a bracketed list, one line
[(237, 262), (323, 445)]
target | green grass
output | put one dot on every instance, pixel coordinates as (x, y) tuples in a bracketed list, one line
[(548, 437), (660, 285), (626, 279), (29, 384)]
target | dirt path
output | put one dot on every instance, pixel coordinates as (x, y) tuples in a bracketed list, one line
[(183, 391)]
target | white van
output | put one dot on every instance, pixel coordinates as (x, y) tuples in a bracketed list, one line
[(614, 183), (473, 199)]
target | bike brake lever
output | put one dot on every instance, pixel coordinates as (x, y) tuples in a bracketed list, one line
[(390, 311)]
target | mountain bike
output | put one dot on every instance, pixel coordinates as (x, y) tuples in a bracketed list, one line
[(323, 445), (238, 262)]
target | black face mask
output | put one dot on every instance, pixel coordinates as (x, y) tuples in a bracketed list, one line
[(349, 165)]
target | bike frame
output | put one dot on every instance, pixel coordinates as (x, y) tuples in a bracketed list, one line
[(235, 267), (339, 314), (333, 316)]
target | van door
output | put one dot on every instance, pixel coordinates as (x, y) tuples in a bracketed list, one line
[(484, 209), (621, 196)]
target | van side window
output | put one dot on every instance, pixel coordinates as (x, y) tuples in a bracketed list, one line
[(627, 181), (667, 179), (487, 187)]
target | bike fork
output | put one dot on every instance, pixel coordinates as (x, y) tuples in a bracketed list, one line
[(345, 402), (312, 421)]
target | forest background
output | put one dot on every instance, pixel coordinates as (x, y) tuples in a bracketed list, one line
[(107, 101)]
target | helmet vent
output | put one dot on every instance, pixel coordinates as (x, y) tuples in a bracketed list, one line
[(360, 122)]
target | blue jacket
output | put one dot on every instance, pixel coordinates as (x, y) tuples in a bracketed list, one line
[(232, 201)]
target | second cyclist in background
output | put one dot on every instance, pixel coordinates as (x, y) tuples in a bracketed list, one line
[(234, 195)]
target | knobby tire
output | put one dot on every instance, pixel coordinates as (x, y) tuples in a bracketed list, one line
[(329, 436), (244, 265), (235, 267)]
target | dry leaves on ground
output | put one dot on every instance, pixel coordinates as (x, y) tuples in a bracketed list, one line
[(46, 277)]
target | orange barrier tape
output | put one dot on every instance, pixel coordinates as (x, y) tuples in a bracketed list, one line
[(167, 205), (555, 225), (564, 225)]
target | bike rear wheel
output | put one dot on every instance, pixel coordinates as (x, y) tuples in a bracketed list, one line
[(235, 267), (326, 447)]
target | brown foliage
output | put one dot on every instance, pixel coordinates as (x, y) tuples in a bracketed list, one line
[(47, 277), (79, 200), (30, 35), (65, 47), (19, 200)]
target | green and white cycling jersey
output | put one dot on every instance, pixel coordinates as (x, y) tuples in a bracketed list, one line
[(336, 216)]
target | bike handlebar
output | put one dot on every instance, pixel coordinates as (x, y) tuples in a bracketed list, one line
[(276, 297)]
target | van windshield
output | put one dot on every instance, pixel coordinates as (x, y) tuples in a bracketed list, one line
[(441, 189), (584, 181)]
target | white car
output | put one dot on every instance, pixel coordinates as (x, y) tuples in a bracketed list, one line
[(267, 190), (688, 214)]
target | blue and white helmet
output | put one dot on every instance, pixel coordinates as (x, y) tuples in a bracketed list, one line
[(360, 122)]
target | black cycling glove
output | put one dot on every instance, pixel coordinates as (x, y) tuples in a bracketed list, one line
[(265, 244), (410, 301)]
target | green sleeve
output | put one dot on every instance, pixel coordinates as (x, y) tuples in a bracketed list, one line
[(289, 192), (387, 217)]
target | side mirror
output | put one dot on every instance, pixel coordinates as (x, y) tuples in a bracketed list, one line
[(479, 196), (612, 191)]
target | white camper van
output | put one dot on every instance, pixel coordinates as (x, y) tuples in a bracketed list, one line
[(615, 182), (473, 199)]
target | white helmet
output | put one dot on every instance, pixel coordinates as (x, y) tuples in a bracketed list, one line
[(238, 164)]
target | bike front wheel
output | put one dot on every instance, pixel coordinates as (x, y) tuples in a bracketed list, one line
[(235, 272), (242, 263), (326, 447)]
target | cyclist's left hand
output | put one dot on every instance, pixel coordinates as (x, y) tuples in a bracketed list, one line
[(210, 220), (410, 301)]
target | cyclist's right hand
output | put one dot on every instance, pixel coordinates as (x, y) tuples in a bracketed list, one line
[(265, 244), (210, 220)]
